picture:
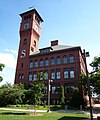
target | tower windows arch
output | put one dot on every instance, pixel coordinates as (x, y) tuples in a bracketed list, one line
[(46, 62), (65, 59), (30, 64), (58, 60)]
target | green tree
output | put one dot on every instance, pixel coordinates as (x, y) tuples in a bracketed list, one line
[(96, 64), (95, 75), (11, 94), (62, 96), (95, 81), (37, 92), (1, 68), (76, 100), (34, 95), (83, 83)]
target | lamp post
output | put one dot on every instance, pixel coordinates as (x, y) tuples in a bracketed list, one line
[(49, 89), (86, 54)]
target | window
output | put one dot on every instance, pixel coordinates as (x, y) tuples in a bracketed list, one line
[(37, 19), (46, 62), (52, 74), (46, 75), (22, 65), (32, 49), (41, 75), (46, 50), (65, 73), (52, 61), (35, 76), (30, 76), (41, 63), (55, 89), (70, 89), (31, 64), (27, 17), (58, 60), (71, 58), (45, 90), (58, 74), (21, 76), (72, 72), (25, 41), (65, 59), (35, 63), (34, 44)]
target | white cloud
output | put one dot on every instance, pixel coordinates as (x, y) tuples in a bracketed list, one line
[(8, 59), (11, 51)]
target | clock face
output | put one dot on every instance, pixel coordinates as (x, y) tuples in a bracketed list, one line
[(26, 25)]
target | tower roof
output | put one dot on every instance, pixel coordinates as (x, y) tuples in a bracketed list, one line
[(34, 11)]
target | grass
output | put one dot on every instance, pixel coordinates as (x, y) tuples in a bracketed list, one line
[(53, 107), (11, 115), (26, 107)]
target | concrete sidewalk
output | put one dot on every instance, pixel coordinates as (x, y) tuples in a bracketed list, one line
[(22, 110)]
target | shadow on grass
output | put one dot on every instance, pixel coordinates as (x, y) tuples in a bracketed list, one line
[(12, 113), (72, 118)]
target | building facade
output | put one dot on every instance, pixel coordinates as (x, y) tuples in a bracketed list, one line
[(62, 64)]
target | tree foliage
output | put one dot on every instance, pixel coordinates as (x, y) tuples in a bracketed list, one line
[(96, 64), (76, 100), (83, 83), (95, 76), (62, 97), (17, 94), (11, 94), (37, 90), (35, 93), (95, 81), (1, 68)]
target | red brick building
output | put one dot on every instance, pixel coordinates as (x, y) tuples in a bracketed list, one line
[(61, 63)]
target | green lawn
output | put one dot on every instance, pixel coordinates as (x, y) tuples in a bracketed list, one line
[(26, 107), (10, 115)]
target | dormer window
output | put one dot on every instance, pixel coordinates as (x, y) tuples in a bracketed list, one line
[(45, 50)]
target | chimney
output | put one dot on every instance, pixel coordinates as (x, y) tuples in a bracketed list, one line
[(54, 42)]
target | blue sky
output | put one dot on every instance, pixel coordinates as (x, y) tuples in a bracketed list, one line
[(72, 22)]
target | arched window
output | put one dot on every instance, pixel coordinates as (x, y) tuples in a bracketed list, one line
[(34, 76), (31, 64), (41, 62), (72, 72), (58, 60), (35, 63), (46, 75), (52, 61), (30, 76), (65, 60), (71, 58), (46, 62)]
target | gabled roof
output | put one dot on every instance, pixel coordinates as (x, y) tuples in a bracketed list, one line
[(54, 49), (60, 47)]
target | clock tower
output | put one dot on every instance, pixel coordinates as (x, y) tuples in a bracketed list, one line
[(30, 29)]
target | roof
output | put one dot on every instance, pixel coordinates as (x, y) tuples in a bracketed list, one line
[(55, 49), (32, 10)]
